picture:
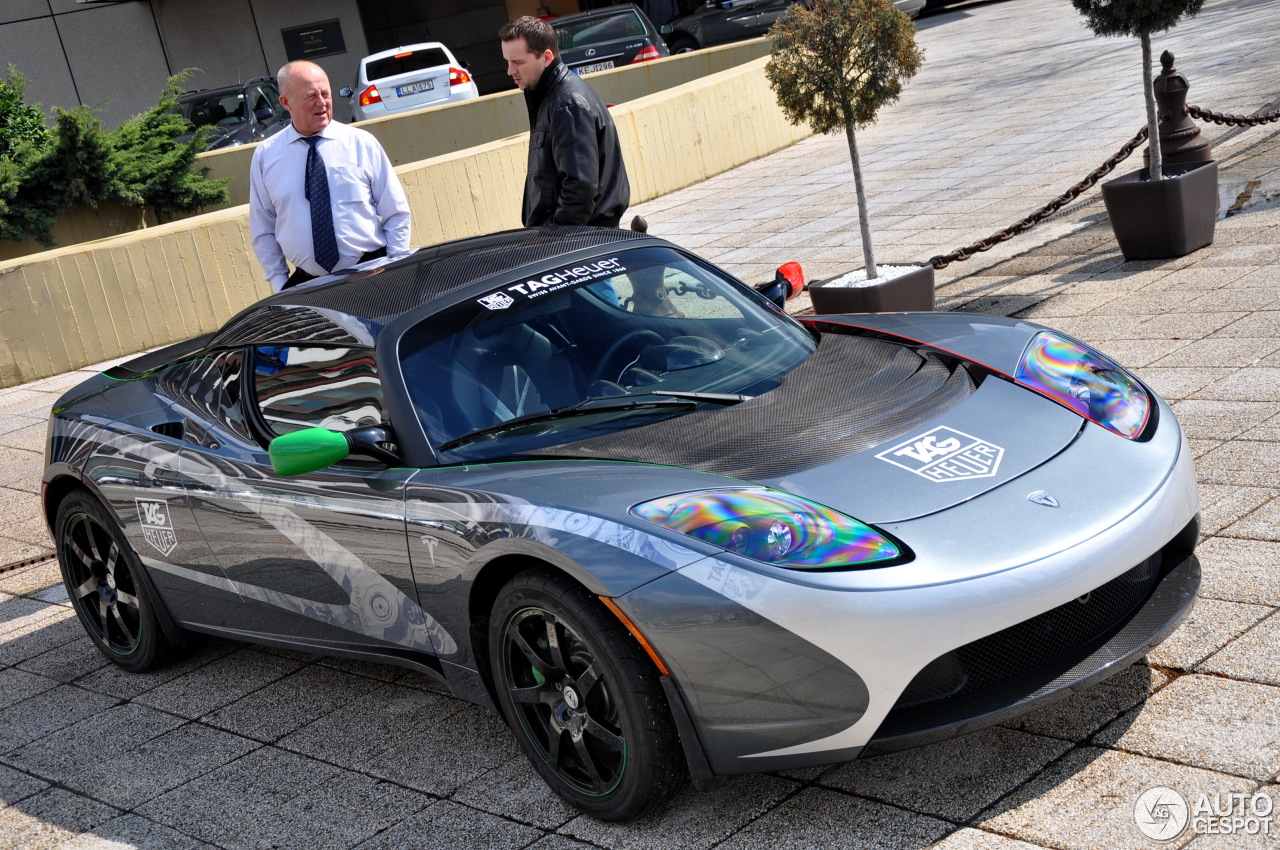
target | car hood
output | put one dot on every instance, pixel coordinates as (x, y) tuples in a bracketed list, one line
[(879, 429)]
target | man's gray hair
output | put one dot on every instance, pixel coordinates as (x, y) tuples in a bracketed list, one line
[(285, 75)]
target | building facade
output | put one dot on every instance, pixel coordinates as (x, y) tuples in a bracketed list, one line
[(116, 55)]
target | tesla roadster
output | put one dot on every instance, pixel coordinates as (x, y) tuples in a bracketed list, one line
[(590, 480)]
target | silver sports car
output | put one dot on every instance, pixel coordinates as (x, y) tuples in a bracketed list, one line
[(590, 480)]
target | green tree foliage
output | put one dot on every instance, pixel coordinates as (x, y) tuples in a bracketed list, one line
[(141, 163), (835, 63), (1135, 18), (74, 167), (155, 169), (1139, 19), (21, 124)]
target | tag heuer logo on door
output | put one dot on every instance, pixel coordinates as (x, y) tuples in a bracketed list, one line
[(157, 527), (945, 454)]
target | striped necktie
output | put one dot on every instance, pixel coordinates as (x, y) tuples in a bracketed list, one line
[(323, 240)]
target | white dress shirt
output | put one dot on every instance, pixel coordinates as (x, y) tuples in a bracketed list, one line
[(363, 188)]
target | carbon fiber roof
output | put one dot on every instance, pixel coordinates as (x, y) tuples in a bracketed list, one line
[(851, 394), (435, 271)]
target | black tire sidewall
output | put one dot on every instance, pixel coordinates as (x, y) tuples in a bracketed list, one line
[(650, 776), (151, 643)]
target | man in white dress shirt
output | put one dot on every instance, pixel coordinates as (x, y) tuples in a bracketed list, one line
[(322, 196)]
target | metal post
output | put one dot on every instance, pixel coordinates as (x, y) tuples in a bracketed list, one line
[(1181, 142)]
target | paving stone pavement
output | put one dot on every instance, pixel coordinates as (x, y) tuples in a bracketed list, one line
[(242, 746)]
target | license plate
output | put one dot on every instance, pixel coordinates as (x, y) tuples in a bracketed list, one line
[(591, 69), (414, 88)]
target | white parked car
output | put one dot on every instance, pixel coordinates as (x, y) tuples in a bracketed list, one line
[(409, 77)]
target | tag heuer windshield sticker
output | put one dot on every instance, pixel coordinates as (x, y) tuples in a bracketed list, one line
[(497, 301), (945, 454), (157, 528), (555, 281)]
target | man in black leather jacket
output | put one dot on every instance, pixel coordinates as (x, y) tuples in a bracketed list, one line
[(576, 174)]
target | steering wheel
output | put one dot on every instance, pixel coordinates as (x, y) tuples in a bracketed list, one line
[(602, 372)]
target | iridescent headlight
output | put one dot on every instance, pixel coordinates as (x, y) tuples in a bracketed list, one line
[(771, 526), (1085, 381)]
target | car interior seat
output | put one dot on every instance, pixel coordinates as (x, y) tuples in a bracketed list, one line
[(505, 371)]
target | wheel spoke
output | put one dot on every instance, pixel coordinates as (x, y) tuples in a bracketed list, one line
[(102, 615), (112, 554), (76, 550), (129, 636), (89, 586), (588, 680), (93, 541), (553, 643), (606, 739), (127, 599), (536, 694), (584, 755), (553, 751), (527, 651)]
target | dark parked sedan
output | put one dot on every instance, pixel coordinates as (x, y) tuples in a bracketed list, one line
[(240, 114), (607, 38), (724, 21)]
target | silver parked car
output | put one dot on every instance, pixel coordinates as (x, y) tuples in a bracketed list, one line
[(405, 78)]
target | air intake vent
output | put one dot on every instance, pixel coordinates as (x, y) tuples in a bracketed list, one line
[(169, 429)]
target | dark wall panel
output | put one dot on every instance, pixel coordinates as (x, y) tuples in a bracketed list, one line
[(116, 58), (33, 46), (215, 36), (275, 15)]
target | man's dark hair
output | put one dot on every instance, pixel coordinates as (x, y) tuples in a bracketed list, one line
[(536, 33)]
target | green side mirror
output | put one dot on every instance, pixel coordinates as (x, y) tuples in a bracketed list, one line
[(307, 450)]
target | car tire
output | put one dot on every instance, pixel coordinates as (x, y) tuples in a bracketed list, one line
[(682, 45), (583, 698), (102, 575)]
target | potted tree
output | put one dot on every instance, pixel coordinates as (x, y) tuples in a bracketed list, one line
[(835, 63), (1156, 212)]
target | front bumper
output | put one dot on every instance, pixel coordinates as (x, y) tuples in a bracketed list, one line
[(787, 672)]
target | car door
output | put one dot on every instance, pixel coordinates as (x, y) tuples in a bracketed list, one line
[(265, 111), (320, 558), (735, 21), (768, 12)]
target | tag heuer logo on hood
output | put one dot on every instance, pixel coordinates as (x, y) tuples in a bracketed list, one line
[(945, 454), (497, 301)]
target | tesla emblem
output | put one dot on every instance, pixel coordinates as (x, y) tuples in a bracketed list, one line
[(591, 51), (1043, 497)]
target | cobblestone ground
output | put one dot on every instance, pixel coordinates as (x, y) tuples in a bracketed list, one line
[(248, 747)]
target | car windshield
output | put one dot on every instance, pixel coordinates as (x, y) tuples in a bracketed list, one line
[(644, 322), (595, 30), (218, 110), (405, 63)]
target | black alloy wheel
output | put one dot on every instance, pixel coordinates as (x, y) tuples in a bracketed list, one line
[(101, 573), (583, 699)]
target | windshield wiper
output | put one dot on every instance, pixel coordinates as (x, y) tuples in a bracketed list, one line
[(714, 398), (594, 404)]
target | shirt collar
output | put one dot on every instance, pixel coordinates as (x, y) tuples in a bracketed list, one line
[(329, 132)]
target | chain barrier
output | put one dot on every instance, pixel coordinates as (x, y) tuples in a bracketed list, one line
[(1234, 120), (943, 260)]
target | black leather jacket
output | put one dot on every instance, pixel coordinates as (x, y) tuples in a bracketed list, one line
[(576, 175)]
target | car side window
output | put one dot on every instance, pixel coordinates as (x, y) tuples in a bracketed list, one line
[(300, 387)]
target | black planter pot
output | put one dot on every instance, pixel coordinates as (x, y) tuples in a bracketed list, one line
[(1155, 220), (911, 292)]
